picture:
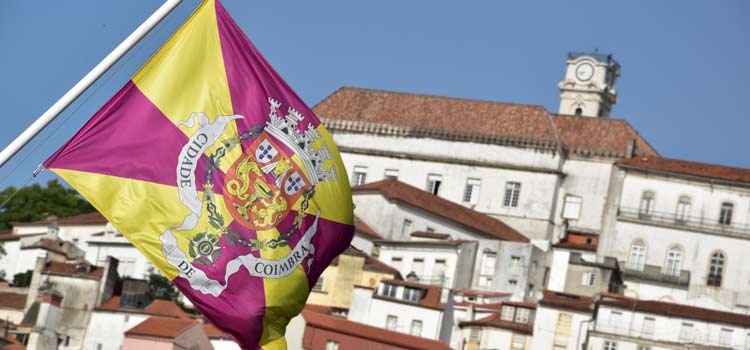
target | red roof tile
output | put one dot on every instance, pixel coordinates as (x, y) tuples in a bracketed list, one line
[(6, 236), (677, 310), (362, 227), (481, 121), (476, 221), (81, 219), (161, 327), (567, 301), (11, 343), (684, 167), (494, 320), (10, 300), (355, 329), (480, 293), (158, 307), (62, 268)]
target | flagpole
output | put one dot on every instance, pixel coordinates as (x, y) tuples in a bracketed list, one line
[(87, 81)]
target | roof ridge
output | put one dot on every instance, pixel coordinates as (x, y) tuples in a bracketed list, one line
[(436, 96)]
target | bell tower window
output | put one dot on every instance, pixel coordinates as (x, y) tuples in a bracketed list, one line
[(579, 111)]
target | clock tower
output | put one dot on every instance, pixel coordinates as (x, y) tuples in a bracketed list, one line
[(589, 85)]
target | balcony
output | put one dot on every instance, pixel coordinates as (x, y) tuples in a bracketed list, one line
[(655, 274), (667, 337), (689, 223)]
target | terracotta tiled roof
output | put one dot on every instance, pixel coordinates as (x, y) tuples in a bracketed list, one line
[(6, 236), (684, 167), (62, 268), (434, 235), (81, 219), (677, 310), (376, 111), (164, 308), (10, 300), (214, 333), (430, 299), (520, 304), (480, 293), (476, 221), (567, 301), (354, 329), (478, 306), (494, 320), (161, 327), (362, 227)]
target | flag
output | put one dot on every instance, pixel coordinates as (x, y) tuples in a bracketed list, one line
[(215, 170)]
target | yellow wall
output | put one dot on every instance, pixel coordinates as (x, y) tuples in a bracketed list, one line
[(339, 281)]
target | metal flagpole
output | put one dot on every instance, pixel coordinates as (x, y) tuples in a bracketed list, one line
[(87, 80)]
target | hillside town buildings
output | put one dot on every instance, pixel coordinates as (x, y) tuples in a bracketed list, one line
[(479, 225)]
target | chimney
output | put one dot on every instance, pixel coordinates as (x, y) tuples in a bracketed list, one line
[(135, 294)]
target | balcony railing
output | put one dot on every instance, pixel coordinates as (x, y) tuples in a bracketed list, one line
[(692, 223), (701, 338)]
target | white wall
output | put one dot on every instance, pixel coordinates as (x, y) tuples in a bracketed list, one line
[(108, 328), (429, 254), (546, 321), (131, 262), (380, 309), (666, 329)]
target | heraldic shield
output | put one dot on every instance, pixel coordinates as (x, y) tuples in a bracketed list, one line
[(217, 172)]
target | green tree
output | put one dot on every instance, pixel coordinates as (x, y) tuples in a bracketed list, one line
[(162, 288), (35, 202), (22, 279)]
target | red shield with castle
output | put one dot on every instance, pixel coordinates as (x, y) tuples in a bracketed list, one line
[(263, 185)]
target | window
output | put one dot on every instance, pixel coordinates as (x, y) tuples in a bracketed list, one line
[(412, 294), (508, 313), (406, 228), (360, 175), (644, 347), (637, 255), (512, 191), (725, 336), (747, 341), (485, 281), (391, 174), (686, 332), (562, 329), (430, 229), (683, 210), (515, 262), (518, 342), (417, 267), (610, 345), (488, 264), (332, 345), (579, 111), (725, 215), (474, 336), (440, 269), (615, 319), (522, 315), (433, 183), (471, 194), (389, 290), (512, 283), (572, 208), (648, 325), (588, 279), (416, 328), (674, 261), (396, 262), (391, 322), (647, 205), (715, 269), (319, 284)]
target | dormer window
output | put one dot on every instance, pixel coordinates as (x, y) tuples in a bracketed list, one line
[(412, 294), (388, 290)]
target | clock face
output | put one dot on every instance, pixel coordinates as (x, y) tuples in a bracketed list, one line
[(584, 71)]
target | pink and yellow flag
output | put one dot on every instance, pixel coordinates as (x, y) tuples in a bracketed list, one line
[(220, 175)]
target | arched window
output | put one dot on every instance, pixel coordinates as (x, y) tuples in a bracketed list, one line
[(715, 269), (579, 111), (683, 210), (637, 255), (647, 205), (725, 215), (674, 261)]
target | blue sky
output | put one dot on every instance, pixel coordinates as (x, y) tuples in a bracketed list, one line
[(684, 83)]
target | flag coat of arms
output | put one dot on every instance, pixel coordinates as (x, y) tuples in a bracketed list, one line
[(220, 175)]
